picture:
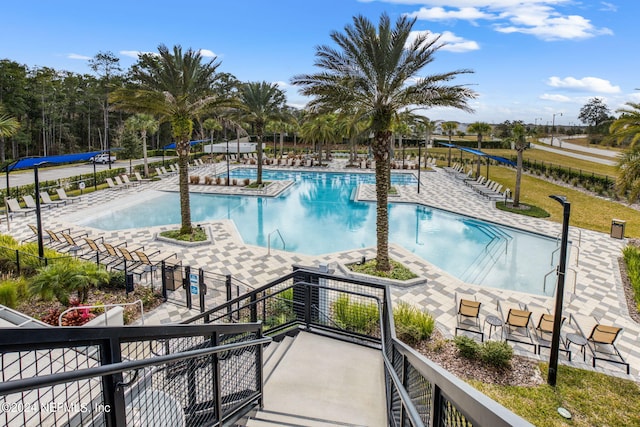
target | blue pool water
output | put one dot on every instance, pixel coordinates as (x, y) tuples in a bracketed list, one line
[(317, 215)]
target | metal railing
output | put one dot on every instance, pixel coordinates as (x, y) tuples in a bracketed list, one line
[(419, 392), (187, 375), (276, 231)]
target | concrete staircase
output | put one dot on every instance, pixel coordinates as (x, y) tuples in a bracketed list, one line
[(315, 381)]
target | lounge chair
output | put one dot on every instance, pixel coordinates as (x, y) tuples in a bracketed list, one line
[(127, 181), (131, 265), (62, 195), (14, 207), (101, 256), (114, 255), (151, 265), (140, 179), (468, 315), (516, 320), (73, 246), (63, 244), (601, 339), (46, 199), (120, 183), (543, 322), (31, 203), (112, 185)]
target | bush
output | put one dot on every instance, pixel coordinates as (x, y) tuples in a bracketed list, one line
[(8, 294), (496, 353), (117, 280), (412, 325), (467, 347), (631, 255), (356, 316)]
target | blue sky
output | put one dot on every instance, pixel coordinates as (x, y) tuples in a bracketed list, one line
[(531, 58)]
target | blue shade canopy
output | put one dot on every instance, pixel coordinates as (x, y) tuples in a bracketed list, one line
[(30, 162), (480, 153), (173, 144)]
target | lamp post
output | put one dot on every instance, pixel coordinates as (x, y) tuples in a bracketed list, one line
[(38, 211), (227, 162), (553, 125), (419, 165), (562, 267)]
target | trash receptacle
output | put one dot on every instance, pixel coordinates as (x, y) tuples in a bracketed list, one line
[(173, 275), (617, 228)]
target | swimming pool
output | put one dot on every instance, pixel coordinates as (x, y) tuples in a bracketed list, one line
[(318, 215)]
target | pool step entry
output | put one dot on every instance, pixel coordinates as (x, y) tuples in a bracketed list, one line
[(498, 245)]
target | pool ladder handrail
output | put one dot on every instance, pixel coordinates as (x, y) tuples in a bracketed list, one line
[(555, 270), (284, 245)]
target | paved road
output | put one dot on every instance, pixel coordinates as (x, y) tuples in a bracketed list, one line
[(566, 145), (25, 177)]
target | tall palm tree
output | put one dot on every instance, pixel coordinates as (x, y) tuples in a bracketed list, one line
[(143, 123), (627, 127), (480, 129), (352, 127), (374, 71), (175, 86), (261, 102), (449, 129), (519, 138)]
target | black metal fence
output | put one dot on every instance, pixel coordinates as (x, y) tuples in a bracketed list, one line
[(190, 375), (196, 288), (419, 392)]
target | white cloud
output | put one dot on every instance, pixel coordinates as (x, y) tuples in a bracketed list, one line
[(78, 56), (585, 84), (282, 84), (608, 7), (207, 53), (440, 14), (452, 42), (539, 18), (555, 97)]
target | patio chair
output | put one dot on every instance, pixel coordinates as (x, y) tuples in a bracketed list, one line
[(119, 182), (14, 207), (130, 264), (62, 244), (543, 321), (127, 181), (601, 339), (102, 256), (113, 254), (468, 315), (46, 199), (151, 265), (112, 185), (140, 179), (31, 203), (516, 320), (62, 195), (73, 246)]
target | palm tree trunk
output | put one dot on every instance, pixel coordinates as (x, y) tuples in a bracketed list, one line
[(259, 171), (183, 175), (144, 154), (381, 155)]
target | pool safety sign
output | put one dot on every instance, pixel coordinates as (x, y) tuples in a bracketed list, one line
[(194, 283)]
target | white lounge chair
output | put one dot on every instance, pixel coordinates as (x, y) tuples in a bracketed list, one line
[(63, 196), (14, 207), (46, 199), (140, 178), (31, 203), (112, 185)]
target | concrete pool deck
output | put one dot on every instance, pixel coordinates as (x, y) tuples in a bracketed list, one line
[(597, 282)]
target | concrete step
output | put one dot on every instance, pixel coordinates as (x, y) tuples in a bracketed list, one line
[(276, 356), (268, 418)]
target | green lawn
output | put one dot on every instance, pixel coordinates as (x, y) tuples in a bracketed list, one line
[(592, 398)]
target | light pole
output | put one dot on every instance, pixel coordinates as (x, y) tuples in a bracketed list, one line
[(562, 267), (38, 211), (553, 125), (419, 165), (227, 162)]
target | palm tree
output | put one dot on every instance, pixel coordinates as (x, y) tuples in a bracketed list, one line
[(352, 127), (261, 102), (518, 137), (480, 129), (8, 125), (143, 123), (175, 86), (319, 129), (627, 127), (374, 72), (449, 128)]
